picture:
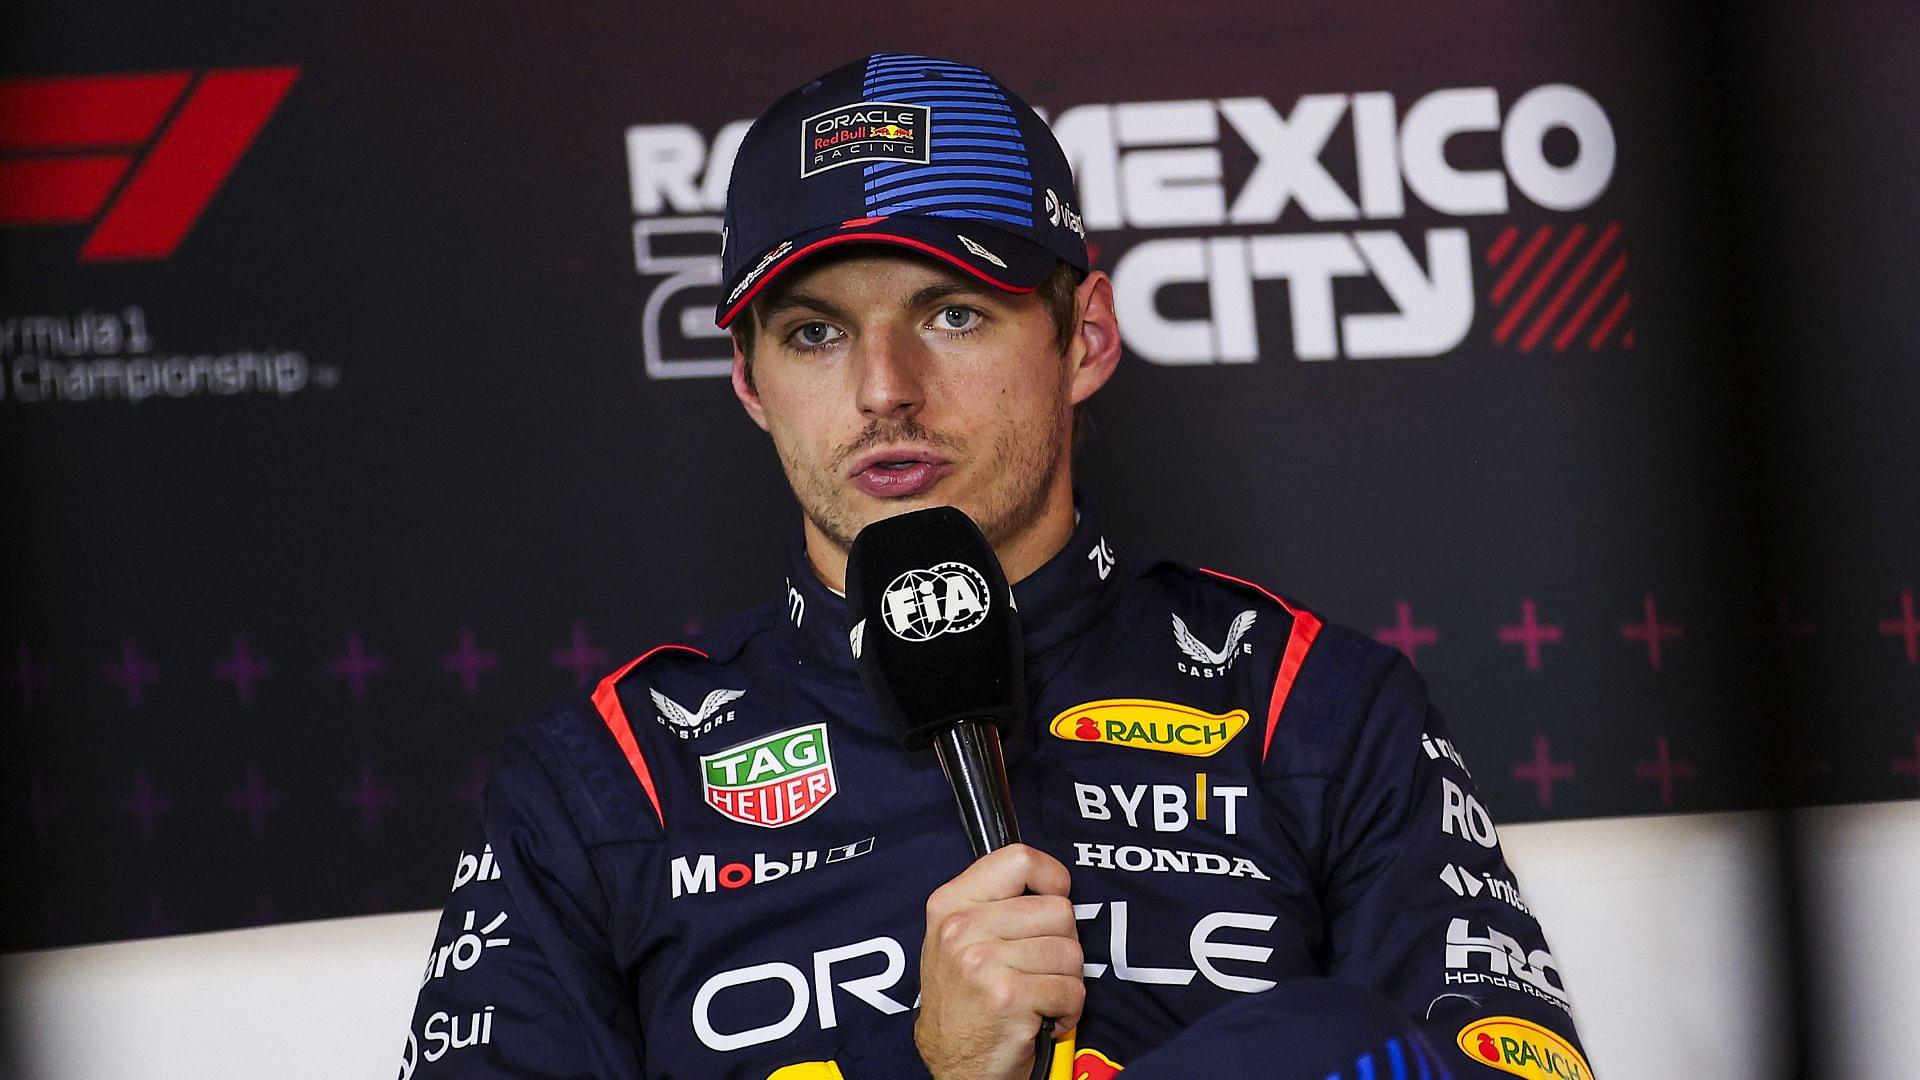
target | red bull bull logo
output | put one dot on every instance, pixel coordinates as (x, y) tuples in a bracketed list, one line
[(1091, 1064)]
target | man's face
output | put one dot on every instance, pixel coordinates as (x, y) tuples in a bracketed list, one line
[(890, 382)]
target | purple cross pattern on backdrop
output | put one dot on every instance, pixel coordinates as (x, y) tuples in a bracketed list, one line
[(1664, 770), (1905, 627), (1405, 636), (580, 657), (1530, 635), (468, 793), (132, 672), (469, 661), (357, 666), (1910, 766), (370, 797), (1542, 771), (1794, 763), (26, 674), (146, 802), (255, 799), (1661, 771), (243, 669), (1784, 629), (1651, 631)]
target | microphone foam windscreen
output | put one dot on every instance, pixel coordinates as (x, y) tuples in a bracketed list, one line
[(935, 633)]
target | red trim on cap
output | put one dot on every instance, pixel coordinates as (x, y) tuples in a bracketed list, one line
[(842, 238), (607, 701), (1306, 627)]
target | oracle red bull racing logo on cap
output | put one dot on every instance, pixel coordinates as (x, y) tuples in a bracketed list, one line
[(1522, 1048), (771, 781), (1150, 725), (864, 132)]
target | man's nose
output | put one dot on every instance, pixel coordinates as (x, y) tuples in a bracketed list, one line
[(891, 375)]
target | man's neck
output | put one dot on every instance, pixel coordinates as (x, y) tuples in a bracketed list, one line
[(1020, 555)]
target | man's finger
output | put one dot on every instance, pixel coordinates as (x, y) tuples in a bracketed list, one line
[(1003, 920), (1008, 872), (1038, 955), (1059, 996)]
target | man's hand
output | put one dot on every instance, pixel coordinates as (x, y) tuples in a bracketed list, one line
[(994, 963)]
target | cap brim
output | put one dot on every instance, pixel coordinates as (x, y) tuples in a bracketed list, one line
[(1000, 259)]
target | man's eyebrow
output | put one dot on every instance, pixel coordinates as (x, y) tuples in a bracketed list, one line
[(789, 299), (940, 290)]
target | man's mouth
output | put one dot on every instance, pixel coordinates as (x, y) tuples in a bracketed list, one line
[(896, 473)]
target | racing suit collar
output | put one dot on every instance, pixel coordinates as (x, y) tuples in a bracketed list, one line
[(1057, 602)]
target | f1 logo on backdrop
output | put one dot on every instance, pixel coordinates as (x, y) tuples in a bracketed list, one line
[(1154, 173), (136, 156)]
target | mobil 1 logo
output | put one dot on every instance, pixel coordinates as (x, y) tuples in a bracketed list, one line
[(704, 873)]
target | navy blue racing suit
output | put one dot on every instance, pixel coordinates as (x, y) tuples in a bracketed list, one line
[(718, 865)]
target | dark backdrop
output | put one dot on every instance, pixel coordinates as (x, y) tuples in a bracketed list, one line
[(426, 435)]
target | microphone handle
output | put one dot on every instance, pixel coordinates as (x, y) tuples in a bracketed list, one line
[(970, 755)]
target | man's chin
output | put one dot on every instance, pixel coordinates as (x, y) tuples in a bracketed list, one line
[(871, 509)]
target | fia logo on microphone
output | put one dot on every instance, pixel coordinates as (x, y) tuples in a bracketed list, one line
[(947, 598)]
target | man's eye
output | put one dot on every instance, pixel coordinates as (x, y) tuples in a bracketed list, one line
[(956, 318), (814, 334)]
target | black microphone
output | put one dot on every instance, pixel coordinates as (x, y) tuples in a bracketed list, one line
[(938, 646)]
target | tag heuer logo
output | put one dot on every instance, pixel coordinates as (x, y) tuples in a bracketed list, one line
[(771, 781), (863, 132)]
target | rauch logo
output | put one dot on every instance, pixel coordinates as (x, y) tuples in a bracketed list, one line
[(1522, 1048), (1150, 725)]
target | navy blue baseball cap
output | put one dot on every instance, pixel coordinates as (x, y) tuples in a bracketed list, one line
[(905, 150)]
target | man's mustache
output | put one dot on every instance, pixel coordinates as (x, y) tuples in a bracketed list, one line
[(881, 433)]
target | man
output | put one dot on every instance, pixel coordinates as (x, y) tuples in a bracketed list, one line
[(1255, 857)]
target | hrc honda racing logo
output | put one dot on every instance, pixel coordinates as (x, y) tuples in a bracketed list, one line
[(1497, 959), (1354, 202)]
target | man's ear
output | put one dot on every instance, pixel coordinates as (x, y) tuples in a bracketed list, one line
[(743, 388), (1095, 349)]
